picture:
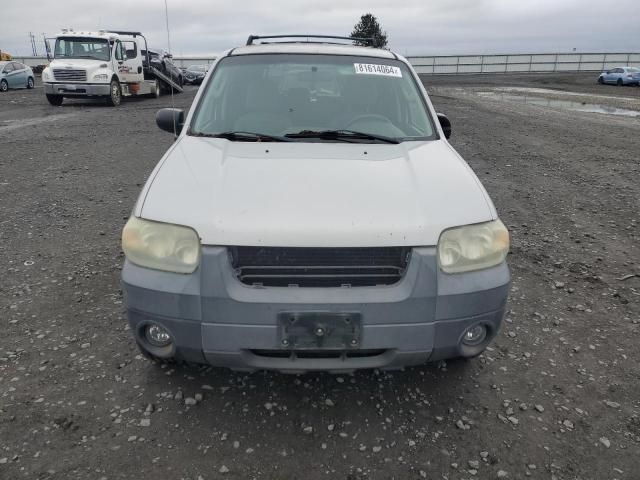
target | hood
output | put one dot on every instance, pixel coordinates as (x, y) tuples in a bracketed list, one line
[(84, 63), (314, 194)]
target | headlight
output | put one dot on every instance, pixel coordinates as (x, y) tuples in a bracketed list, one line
[(45, 74), (101, 77), (162, 246), (473, 247)]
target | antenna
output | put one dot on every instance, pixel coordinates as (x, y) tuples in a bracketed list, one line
[(166, 16)]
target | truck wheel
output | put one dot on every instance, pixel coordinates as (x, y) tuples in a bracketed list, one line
[(30, 82), (55, 100), (155, 90), (115, 97), (4, 86)]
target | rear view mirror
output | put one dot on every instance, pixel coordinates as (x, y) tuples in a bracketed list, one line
[(170, 120), (445, 124)]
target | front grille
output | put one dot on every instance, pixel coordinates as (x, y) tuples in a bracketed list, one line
[(319, 267), (319, 354), (67, 75)]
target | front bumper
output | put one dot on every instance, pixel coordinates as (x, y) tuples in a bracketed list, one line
[(215, 319), (76, 89)]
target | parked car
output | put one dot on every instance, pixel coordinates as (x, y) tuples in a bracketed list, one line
[(162, 61), (15, 75), (621, 76), (312, 215), (195, 74)]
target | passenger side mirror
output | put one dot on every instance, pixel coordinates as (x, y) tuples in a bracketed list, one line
[(445, 124), (170, 120)]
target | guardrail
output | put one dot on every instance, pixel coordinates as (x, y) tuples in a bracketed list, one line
[(452, 64), (522, 63)]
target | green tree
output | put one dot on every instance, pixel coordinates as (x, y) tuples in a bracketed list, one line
[(368, 27)]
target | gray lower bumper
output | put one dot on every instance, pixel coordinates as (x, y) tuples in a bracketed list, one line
[(215, 319), (77, 89)]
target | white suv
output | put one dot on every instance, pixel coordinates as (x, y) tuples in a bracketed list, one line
[(311, 215)]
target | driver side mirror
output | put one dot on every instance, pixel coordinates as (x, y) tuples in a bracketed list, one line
[(445, 124), (170, 120)]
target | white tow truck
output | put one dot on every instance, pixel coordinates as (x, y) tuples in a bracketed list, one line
[(105, 64)]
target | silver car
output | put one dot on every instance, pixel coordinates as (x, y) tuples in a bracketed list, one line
[(15, 75), (621, 76)]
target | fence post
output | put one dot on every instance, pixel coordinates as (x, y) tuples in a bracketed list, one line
[(481, 63), (580, 63), (555, 64)]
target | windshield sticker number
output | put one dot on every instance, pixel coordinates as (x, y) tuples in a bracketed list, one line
[(374, 69)]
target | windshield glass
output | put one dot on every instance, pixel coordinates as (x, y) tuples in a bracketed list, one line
[(287, 94), (78, 47)]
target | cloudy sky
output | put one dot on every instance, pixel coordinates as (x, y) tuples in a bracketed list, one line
[(414, 26)]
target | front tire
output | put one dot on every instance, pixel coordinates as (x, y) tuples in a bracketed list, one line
[(30, 83), (600, 81), (619, 82), (115, 94), (4, 86), (55, 100)]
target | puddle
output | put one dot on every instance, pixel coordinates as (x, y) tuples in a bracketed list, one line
[(549, 91), (565, 104), (14, 124)]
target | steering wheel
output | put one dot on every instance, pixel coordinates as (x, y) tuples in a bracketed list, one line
[(372, 117)]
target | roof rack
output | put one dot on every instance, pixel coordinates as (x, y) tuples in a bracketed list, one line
[(121, 32), (250, 40)]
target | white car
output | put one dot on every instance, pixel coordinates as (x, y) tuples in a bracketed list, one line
[(311, 215)]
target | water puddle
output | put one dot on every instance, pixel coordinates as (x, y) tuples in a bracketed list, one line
[(565, 104), (549, 91), (27, 122)]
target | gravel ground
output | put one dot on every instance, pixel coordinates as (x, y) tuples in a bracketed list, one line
[(557, 396)]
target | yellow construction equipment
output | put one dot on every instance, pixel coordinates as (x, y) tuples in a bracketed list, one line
[(4, 56)]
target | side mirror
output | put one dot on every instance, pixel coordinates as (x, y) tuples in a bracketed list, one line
[(608, 72), (444, 123), (170, 120)]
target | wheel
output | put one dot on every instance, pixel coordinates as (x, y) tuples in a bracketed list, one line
[(619, 82), (30, 82), (600, 81), (155, 90), (115, 97), (55, 100), (4, 86)]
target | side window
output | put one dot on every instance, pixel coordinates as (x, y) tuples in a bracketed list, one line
[(119, 56), (131, 49), (18, 66), (8, 68)]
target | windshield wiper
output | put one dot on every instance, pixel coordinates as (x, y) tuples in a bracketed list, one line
[(340, 135), (240, 136)]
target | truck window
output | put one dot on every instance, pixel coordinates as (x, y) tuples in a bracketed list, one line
[(81, 47), (131, 49)]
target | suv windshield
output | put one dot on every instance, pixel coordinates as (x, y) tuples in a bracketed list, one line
[(281, 95), (78, 47)]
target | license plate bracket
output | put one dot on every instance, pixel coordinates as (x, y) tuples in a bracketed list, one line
[(319, 330)]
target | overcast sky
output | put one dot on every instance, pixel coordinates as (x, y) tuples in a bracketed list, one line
[(414, 26)]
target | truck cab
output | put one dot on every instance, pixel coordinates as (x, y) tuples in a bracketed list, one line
[(101, 64)]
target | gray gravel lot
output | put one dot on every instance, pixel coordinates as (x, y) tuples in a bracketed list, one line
[(557, 396)]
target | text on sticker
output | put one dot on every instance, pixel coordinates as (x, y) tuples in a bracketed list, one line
[(375, 69)]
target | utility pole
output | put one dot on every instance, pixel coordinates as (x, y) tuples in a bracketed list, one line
[(34, 49)]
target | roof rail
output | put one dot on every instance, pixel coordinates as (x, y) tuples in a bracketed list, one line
[(251, 38)]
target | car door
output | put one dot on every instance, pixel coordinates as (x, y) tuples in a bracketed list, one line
[(20, 74), (130, 70), (617, 74)]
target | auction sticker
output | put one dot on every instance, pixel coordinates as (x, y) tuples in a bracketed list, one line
[(375, 69)]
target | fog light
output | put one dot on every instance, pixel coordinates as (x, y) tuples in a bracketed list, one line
[(157, 336), (474, 335)]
